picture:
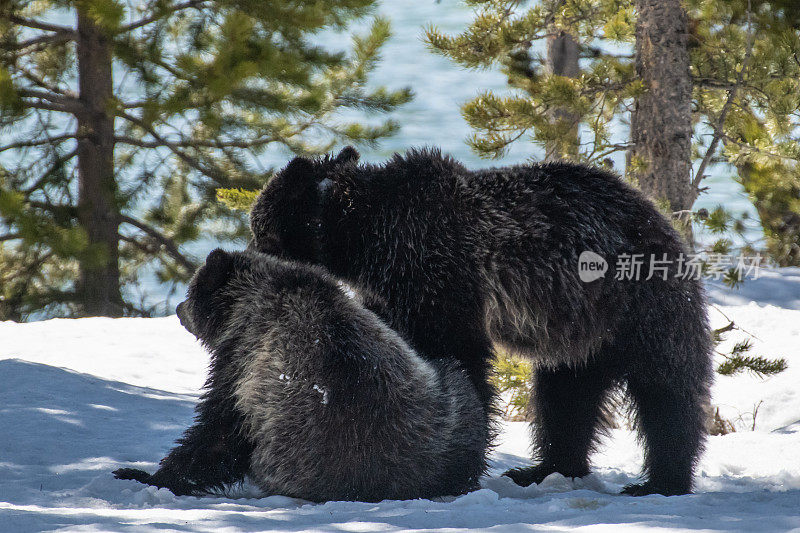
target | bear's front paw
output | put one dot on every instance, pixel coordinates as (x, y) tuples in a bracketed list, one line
[(132, 473), (643, 489), (529, 475)]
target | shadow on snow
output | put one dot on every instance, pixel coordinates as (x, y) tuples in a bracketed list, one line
[(63, 432)]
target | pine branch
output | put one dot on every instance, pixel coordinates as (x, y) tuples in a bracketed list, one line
[(753, 150), (134, 105), (237, 199), (149, 248), (69, 211), (592, 52), (158, 15), (174, 71), (37, 80), (196, 143), (758, 365), (50, 40), (711, 83), (59, 162), (58, 108), (717, 130), (169, 245), (39, 25), (41, 142), (51, 96), (717, 333), (213, 173)]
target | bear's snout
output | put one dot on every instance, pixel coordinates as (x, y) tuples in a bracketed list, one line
[(183, 317)]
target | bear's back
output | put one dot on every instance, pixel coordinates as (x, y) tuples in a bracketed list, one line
[(565, 195)]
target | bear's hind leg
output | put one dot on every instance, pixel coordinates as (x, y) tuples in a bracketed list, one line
[(671, 416), (569, 408)]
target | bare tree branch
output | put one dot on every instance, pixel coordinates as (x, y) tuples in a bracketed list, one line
[(213, 173), (159, 14), (42, 83), (57, 209), (718, 128), (70, 110), (41, 142), (186, 143), (172, 70), (169, 245), (56, 164), (753, 150), (10, 237), (50, 40), (39, 25), (728, 85), (61, 99), (134, 105)]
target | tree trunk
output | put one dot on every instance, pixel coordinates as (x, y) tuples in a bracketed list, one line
[(661, 124), (562, 60), (98, 213)]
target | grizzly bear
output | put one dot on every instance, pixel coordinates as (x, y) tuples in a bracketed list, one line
[(472, 260), (311, 395)]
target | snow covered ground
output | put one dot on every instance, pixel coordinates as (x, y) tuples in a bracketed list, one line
[(79, 398)]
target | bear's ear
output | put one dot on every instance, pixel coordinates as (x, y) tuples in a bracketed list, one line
[(347, 156), (335, 169), (299, 168), (217, 271)]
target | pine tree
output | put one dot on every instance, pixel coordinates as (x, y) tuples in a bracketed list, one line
[(119, 124), (749, 97), (502, 35), (562, 60), (744, 99)]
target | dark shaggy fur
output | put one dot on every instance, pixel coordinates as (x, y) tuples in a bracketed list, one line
[(471, 259), (311, 395)]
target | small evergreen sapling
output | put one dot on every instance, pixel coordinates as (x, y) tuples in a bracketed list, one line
[(738, 361), (512, 378)]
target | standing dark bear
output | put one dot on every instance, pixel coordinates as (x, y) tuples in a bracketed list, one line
[(471, 259), (311, 395)]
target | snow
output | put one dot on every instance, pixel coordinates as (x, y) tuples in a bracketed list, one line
[(347, 289), (779, 287), (79, 398)]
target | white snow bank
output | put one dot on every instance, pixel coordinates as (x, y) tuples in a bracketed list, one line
[(79, 398), (774, 286), (154, 352), (774, 332)]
